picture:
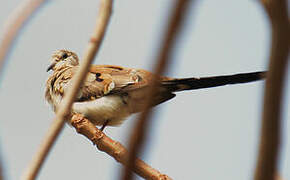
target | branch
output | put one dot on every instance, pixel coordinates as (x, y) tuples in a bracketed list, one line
[(113, 148), (64, 110), (14, 23), (139, 131), (266, 167), (12, 26), (1, 170)]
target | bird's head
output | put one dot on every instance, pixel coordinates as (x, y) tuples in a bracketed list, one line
[(63, 58)]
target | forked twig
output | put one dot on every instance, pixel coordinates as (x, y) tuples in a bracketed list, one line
[(58, 122), (271, 119), (139, 131), (113, 148), (14, 23)]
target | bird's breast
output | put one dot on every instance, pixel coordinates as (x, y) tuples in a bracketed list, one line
[(98, 111)]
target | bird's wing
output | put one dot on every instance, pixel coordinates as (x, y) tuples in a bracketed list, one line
[(103, 80), (107, 79)]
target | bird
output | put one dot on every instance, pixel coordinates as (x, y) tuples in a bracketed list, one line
[(111, 93)]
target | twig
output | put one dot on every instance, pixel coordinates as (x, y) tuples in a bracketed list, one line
[(113, 148), (271, 130), (56, 127), (139, 131), (1, 170), (14, 23)]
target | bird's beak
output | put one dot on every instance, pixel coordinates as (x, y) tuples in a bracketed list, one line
[(50, 67)]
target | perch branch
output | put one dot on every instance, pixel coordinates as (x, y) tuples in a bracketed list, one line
[(139, 131), (64, 110), (266, 166), (113, 148), (14, 23)]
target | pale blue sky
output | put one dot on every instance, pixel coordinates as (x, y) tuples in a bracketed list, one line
[(205, 134)]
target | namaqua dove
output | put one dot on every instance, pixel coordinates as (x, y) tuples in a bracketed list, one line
[(111, 93)]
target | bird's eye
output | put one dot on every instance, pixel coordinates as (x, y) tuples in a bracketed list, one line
[(64, 56)]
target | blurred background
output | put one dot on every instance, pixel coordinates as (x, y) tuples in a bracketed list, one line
[(204, 134)]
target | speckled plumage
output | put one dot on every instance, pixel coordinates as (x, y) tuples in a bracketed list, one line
[(111, 93)]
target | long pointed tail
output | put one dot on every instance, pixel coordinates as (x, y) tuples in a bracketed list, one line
[(208, 82)]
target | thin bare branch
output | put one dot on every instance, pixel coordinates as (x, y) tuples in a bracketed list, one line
[(113, 148), (14, 23), (1, 170), (139, 131), (266, 167), (64, 110)]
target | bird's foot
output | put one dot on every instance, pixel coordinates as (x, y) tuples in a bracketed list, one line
[(104, 125)]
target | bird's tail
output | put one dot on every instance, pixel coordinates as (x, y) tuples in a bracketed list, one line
[(175, 85)]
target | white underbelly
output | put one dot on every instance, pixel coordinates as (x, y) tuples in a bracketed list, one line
[(98, 111)]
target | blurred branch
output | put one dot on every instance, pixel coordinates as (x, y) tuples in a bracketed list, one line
[(13, 25), (266, 167), (139, 131), (1, 170), (64, 110), (113, 148)]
